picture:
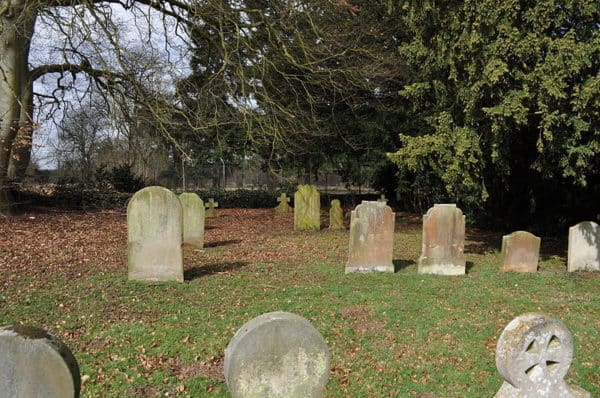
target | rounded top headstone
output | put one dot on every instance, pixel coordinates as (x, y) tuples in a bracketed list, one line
[(534, 350), (277, 354), (35, 364)]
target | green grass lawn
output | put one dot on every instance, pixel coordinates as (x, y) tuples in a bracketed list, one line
[(390, 335)]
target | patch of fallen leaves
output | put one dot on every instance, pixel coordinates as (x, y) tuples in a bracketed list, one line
[(211, 368)]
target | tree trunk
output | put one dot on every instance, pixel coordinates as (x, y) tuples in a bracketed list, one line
[(17, 21)]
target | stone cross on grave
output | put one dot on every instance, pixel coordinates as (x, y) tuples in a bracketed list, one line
[(382, 198), (211, 208), (283, 206)]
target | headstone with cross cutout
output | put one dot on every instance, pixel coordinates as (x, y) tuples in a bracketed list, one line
[(283, 207), (533, 355), (211, 208)]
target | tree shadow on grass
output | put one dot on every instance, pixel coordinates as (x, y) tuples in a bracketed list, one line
[(469, 266), (399, 265), (209, 269), (222, 243)]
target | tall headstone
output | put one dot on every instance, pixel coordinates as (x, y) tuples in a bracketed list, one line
[(277, 354), (443, 241), (35, 364), (371, 238), (154, 236), (584, 247), (336, 215), (283, 207), (307, 208), (193, 219), (520, 252), (533, 355), (211, 208)]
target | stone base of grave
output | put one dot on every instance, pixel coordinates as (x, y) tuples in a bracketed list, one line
[(368, 268), (155, 262), (564, 391), (196, 243), (427, 267)]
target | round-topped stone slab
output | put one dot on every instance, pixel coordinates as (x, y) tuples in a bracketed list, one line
[(277, 354), (35, 364)]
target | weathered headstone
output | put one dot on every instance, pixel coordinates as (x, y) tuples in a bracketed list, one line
[(307, 208), (520, 252), (336, 215), (211, 208), (443, 241), (277, 354), (584, 247), (382, 198), (35, 364), (192, 208), (533, 355), (154, 234), (371, 238), (283, 207)]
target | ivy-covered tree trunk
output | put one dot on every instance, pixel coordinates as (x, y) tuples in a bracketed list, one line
[(16, 29)]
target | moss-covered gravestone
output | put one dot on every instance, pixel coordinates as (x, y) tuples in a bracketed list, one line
[(283, 207), (35, 364), (278, 354), (336, 215), (193, 219), (307, 208), (443, 241), (154, 234), (211, 208), (371, 238)]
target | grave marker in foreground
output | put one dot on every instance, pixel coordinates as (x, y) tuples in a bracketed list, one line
[(533, 355), (35, 364), (154, 235), (277, 354)]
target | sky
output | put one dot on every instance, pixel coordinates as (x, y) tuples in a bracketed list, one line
[(141, 31)]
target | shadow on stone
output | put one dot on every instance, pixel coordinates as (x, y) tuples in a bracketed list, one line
[(203, 270), (222, 243), (399, 265)]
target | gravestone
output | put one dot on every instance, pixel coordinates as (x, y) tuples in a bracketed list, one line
[(154, 234), (336, 215), (211, 208), (371, 238), (520, 252), (35, 364), (584, 247), (277, 354), (307, 208), (382, 198), (283, 207), (533, 355), (192, 208), (443, 241)]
